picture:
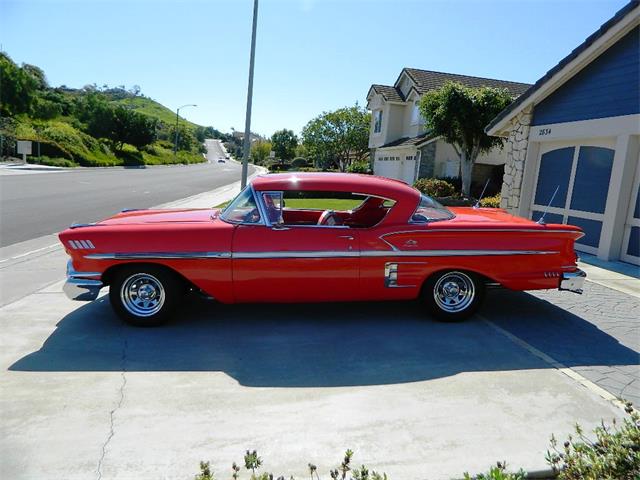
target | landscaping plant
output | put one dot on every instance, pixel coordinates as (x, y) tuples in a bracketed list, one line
[(435, 187), (499, 472), (253, 462), (614, 454)]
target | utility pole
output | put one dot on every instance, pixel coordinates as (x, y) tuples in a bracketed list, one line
[(247, 126), (175, 143)]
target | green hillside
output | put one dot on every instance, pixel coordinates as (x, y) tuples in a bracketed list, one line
[(154, 109), (90, 126)]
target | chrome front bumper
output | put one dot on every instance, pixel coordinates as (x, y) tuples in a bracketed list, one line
[(79, 287), (573, 281)]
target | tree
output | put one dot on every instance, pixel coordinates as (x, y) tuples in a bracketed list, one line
[(459, 114), (118, 124), (260, 152), (133, 128), (339, 137), (284, 144), (17, 87)]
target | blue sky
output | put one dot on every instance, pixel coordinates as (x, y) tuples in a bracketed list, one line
[(312, 55)]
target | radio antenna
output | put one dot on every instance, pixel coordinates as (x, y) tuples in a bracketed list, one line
[(541, 219), (477, 205)]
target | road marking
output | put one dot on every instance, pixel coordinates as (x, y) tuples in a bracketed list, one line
[(26, 254), (588, 384)]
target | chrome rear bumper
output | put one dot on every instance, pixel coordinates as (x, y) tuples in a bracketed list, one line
[(573, 281), (79, 287)]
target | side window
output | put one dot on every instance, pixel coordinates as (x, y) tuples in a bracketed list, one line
[(273, 206), (242, 209), (377, 121)]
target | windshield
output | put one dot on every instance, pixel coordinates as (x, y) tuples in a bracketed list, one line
[(242, 209), (430, 211)]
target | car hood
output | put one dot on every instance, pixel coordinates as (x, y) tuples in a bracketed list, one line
[(192, 215)]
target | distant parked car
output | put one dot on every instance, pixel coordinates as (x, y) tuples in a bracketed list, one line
[(221, 160), (397, 244)]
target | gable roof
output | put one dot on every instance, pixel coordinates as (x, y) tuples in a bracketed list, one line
[(404, 141), (425, 80), (389, 93), (520, 102)]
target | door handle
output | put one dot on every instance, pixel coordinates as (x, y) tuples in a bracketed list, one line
[(348, 237)]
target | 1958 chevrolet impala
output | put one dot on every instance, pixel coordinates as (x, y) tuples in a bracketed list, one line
[(395, 244)]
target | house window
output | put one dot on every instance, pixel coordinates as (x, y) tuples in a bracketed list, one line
[(415, 114), (377, 121)]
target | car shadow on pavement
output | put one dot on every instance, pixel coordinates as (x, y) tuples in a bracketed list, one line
[(317, 345)]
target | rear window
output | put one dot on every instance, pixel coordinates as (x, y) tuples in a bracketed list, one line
[(430, 211)]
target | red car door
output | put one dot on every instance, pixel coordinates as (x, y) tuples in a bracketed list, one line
[(295, 264)]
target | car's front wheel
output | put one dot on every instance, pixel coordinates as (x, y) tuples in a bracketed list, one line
[(144, 295), (453, 295)]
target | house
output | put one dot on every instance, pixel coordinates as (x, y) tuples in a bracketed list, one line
[(573, 142), (400, 145)]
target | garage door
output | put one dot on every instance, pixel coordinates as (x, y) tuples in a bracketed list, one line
[(398, 167), (389, 167), (631, 240), (574, 181)]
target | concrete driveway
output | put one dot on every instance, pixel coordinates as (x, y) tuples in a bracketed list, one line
[(85, 396)]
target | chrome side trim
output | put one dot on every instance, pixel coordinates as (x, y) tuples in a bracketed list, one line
[(157, 255), (452, 253), (475, 230), (310, 254), (297, 254)]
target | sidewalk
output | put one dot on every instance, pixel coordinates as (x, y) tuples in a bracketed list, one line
[(620, 276)]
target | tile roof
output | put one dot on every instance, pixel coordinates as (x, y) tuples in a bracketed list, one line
[(620, 14), (389, 93), (426, 80)]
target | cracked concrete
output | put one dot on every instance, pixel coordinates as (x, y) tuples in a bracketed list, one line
[(113, 412)]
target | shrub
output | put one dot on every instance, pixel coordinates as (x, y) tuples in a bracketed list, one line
[(279, 167), (614, 454), (499, 472), (54, 162), (491, 202), (359, 167), (299, 162), (435, 187)]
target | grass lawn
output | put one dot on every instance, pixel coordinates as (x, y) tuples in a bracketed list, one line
[(316, 203)]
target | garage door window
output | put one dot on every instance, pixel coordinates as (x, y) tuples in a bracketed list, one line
[(631, 241), (581, 175), (591, 184), (555, 171)]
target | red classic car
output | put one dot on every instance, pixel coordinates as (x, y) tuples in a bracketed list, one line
[(395, 244)]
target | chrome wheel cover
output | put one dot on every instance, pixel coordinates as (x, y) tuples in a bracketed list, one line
[(454, 292), (142, 295)]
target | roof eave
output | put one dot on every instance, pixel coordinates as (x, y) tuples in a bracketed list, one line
[(544, 87)]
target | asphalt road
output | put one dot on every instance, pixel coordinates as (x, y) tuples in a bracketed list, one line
[(33, 205)]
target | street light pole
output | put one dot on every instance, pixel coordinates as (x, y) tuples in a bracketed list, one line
[(175, 144), (247, 126)]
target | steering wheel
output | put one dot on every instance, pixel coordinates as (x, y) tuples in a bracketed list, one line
[(328, 217), (252, 216)]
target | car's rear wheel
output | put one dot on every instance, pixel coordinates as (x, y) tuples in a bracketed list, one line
[(453, 295), (144, 295)]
